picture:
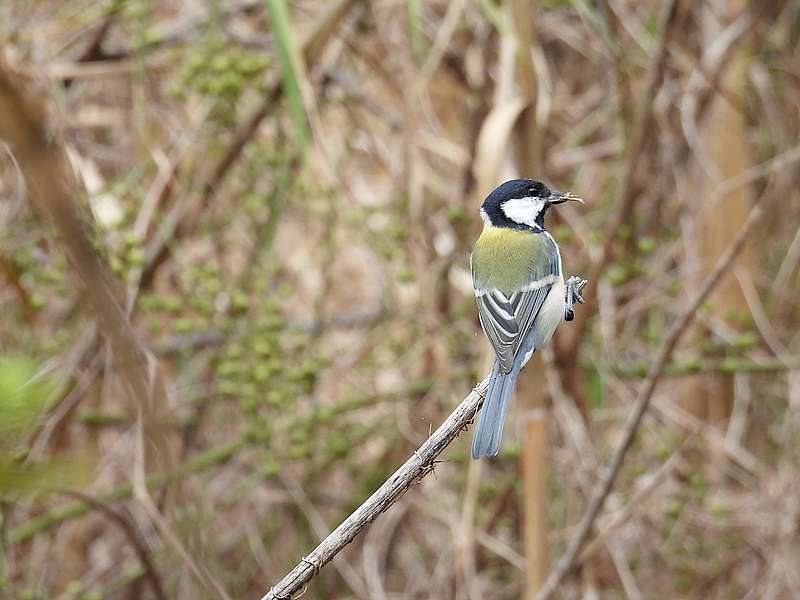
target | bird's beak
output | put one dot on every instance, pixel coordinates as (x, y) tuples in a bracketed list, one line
[(561, 197)]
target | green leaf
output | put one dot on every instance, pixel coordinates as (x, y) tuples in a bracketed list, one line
[(18, 479), (290, 60), (596, 389), (415, 29), (24, 391)]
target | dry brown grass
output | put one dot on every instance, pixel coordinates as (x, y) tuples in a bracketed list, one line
[(313, 316)]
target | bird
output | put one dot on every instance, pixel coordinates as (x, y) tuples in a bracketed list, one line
[(519, 290)]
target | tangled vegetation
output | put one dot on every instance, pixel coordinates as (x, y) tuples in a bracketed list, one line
[(284, 196)]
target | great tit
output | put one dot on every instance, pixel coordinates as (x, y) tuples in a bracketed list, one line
[(520, 291)]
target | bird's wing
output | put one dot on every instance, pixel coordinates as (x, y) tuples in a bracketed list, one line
[(507, 316)]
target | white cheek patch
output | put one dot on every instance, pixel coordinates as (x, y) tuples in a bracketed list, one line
[(523, 210), (485, 217)]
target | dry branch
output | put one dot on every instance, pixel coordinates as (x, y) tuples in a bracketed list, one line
[(680, 326), (640, 135), (311, 49), (139, 544), (53, 187), (73, 510), (413, 470)]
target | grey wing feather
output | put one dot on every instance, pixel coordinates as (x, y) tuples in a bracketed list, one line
[(507, 321), (501, 331)]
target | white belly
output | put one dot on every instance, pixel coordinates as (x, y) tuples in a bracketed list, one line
[(550, 315), (552, 311)]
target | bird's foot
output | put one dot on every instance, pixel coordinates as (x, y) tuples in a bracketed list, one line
[(574, 286)]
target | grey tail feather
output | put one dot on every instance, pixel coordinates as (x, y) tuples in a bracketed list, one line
[(489, 432)]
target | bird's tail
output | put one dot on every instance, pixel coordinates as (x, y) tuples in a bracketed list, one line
[(489, 432)]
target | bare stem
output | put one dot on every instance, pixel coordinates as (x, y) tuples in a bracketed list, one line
[(420, 463), (635, 154), (601, 492)]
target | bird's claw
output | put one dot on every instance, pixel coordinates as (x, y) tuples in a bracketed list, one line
[(574, 287), (573, 294)]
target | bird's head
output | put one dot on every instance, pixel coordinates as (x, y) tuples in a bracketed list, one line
[(521, 204)]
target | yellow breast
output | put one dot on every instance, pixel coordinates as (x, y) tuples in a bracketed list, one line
[(506, 259)]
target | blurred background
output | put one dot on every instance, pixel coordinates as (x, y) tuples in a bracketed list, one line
[(235, 294)]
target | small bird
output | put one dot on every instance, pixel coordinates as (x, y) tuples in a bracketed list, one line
[(520, 291)]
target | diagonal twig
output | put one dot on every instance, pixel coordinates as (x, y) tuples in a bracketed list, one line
[(139, 544), (42, 161), (642, 132), (311, 48), (413, 470), (641, 405)]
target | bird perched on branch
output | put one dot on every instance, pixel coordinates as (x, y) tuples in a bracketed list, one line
[(520, 291)]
